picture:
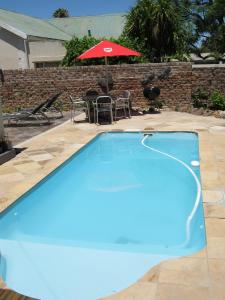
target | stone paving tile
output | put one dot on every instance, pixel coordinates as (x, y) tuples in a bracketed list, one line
[(222, 180), (21, 162), (212, 196), (215, 227), (217, 292), (213, 184), (220, 156), (28, 167), (4, 169), (35, 152), (217, 271), (209, 176), (140, 291), (217, 129), (41, 157), (3, 191), (43, 162), (152, 275), (185, 271), (178, 292), (28, 129), (11, 177), (216, 247), (214, 211)]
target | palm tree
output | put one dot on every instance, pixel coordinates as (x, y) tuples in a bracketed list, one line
[(61, 13), (157, 27)]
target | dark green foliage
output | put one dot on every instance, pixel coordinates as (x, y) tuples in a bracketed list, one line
[(201, 94), (164, 29), (158, 104), (218, 100), (75, 47), (158, 27), (61, 13), (197, 103), (208, 20), (200, 98)]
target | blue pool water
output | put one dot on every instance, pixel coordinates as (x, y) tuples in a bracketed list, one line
[(122, 204)]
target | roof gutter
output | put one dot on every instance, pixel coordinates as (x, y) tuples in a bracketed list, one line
[(13, 30), (39, 38)]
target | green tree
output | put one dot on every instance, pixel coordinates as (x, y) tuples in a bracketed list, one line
[(75, 47), (208, 19), (61, 13), (158, 27)]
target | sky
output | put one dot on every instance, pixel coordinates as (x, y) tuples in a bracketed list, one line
[(45, 8)]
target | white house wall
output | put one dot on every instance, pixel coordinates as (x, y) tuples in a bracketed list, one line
[(45, 50), (12, 51)]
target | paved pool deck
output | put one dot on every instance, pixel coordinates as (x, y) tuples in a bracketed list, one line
[(23, 130), (197, 277)]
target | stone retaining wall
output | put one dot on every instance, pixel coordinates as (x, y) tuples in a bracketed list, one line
[(27, 88)]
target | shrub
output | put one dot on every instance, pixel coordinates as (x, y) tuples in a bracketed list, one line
[(198, 104), (199, 98), (218, 100), (158, 104)]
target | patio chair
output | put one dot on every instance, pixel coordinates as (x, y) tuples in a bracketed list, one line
[(103, 104), (120, 105), (123, 103), (79, 105), (50, 106), (37, 113), (127, 95)]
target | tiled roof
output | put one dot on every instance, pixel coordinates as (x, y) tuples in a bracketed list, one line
[(31, 26), (110, 25)]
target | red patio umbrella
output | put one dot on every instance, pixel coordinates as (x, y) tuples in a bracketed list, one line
[(107, 49)]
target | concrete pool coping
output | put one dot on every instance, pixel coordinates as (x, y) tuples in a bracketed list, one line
[(199, 276)]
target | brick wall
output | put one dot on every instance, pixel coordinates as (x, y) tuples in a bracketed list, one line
[(209, 78), (26, 88)]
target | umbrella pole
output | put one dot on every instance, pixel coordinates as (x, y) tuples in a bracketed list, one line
[(107, 80)]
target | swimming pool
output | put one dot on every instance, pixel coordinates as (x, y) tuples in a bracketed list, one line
[(122, 204)]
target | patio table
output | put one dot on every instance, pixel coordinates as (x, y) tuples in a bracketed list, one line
[(90, 99), (90, 103)]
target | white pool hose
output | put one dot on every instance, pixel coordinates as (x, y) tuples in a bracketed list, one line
[(198, 196)]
